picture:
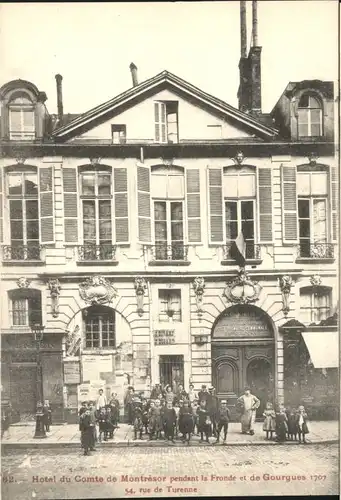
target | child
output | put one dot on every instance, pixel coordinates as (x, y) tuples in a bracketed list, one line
[(186, 422), (195, 417), (269, 425), (137, 422), (102, 424), (47, 419), (158, 419), (151, 420), (169, 421), (177, 410), (301, 419), (281, 424), (111, 422), (144, 411), (204, 424), (86, 429), (223, 417), (292, 424)]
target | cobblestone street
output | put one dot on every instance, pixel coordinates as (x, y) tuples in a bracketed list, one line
[(138, 472)]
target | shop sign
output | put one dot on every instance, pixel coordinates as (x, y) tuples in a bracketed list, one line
[(242, 322), (72, 373), (164, 337), (94, 365)]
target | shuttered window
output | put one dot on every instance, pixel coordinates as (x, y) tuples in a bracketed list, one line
[(166, 121), (193, 205), (23, 199), (160, 121), (46, 195), (289, 204), (215, 196), (70, 187), (265, 205), (334, 188), (121, 205), (143, 204)]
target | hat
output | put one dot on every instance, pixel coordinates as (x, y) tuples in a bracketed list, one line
[(203, 386), (211, 388), (223, 401)]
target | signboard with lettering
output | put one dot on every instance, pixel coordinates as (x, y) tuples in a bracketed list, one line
[(243, 321), (94, 365), (89, 391), (72, 373), (164, 337)]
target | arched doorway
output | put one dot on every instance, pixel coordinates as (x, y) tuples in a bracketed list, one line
[(243, 354)]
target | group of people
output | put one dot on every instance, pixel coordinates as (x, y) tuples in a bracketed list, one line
[(286, 423), (104, 414)]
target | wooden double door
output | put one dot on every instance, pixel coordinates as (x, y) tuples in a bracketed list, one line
[(237, 366)]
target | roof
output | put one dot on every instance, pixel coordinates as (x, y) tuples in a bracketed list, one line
[(165, 77)]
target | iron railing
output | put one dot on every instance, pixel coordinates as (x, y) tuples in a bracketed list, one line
[(164, 252), (22, 252), (252, 251), (91, 252), (307, 250)]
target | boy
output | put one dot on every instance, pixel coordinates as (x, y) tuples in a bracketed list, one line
[(223, 418), (86, 431), (204, 425), (169, 422), (47, 419), (137, 422)]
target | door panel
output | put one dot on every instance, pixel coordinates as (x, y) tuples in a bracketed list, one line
[(23, 389), (260, 379)]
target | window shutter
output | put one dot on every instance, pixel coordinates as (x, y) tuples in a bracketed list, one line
[(143, 204), (215, 204), (289, 205), (193, 205), (70, 205), (46, 205), (160, 121), (121, 205), (265, 205), (334, 202), (1, 208)]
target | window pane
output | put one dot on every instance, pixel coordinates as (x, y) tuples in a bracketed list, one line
[(177, 231), (230, 186), (28, 120), (15, 208), (105, 230), (304, 226), (15, 184), (32, 209), (248, 230), (89, 211), (161, 231), (304, 101), (247, 185), (303, 116), (89, 230), (104, 208), (315, 115), (16, 230), (314, 103), (231, 230), (231, 210), (33, 230), (247, 210), (160, 210), (315, 130), (31, 184), (303, 209), (104, 184), (303, 130), (88, 183), (176, 211), (320, 221), (15, 120)]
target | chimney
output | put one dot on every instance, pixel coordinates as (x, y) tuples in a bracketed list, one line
[(243, 29), (254, 24), (243, 90), (59, 79), (133, 70)]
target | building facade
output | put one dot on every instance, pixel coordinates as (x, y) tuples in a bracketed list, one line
[(117, 227)]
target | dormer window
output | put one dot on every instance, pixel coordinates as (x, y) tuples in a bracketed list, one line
[(166, 121), (309, 116), (21, 119)]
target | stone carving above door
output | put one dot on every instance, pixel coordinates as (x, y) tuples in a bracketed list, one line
[(242, 290), (97, 290)]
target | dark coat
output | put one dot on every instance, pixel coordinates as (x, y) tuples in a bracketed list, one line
[(186, 422), (87, 435), (169, 420)]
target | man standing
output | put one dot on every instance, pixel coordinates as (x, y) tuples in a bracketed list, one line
[(101, 400), (128, 403), (248, 404), (203, 394), (212, 407), (191, 394)]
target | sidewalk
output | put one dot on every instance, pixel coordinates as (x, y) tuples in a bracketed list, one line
[(68, 435)]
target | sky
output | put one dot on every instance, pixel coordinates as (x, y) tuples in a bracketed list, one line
[(93, 44)]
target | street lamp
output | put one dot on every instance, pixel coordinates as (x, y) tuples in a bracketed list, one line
[(38, 331)]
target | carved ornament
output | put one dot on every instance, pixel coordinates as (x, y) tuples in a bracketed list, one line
[(242, 290), (23, 282), (54, 287), (97, 290), (285, 284), (199, 288), (316, 280), (140, 290)]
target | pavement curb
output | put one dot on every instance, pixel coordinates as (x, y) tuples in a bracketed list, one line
[(146, 444)]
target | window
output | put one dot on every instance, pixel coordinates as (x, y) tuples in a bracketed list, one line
[(169, 230), (99, 324), (171, 371), (25, 307), (169, 305), (22, 192), (312, 190), (315, 304), (96, 202), (119, 134), (21, 119), (309, 116), (166, 121)]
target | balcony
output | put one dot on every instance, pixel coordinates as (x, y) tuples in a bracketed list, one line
[(162, 254), (252, 254), (104, 254), (22, 254), (315, 252)]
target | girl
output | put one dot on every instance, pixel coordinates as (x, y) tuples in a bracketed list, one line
[(302, 418), (281, 424), (177, 410), (151, 420), (204, 424), (186, 422), (269, 425), (158, 419), (195, 416), (138, 424)]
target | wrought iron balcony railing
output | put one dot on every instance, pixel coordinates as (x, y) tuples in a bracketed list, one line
[(252, 251), (307, 250), (173, 252), (91, 252), (22, 252)]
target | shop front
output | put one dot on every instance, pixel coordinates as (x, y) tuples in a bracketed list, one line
[(243, 354)]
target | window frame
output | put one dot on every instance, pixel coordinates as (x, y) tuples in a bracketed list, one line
[(21, 108), (162, 314), (163, 122), (119, 128), (99, 312), (309, 113), (168, 220), (311, 200), (313, 308), (26, 296)]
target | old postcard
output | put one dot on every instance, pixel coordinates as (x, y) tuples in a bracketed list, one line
[(169, 205)]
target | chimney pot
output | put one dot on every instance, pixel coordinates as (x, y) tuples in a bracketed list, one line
[(254, 24), (243, 41), (133, 70), (59, 80)]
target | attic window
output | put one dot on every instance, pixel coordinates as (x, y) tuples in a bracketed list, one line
[(166, 121), (119, 134), (309, 116), (21, 118)]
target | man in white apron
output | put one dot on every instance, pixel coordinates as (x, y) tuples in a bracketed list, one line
[(248, 404)]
